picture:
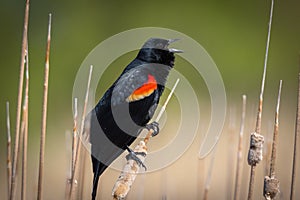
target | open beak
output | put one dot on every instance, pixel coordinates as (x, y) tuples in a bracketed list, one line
[(173, 50)]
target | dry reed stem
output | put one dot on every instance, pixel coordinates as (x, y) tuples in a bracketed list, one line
[(296, 138), (162, 110), (25, 133), (82, 174), (44, 114), (240, 152), (268, 148), (251, 182), (131, 168), (19, 104), (8, 150), (73, 149), (271, 184), (22, 131), (209, 175), (259, 114), (69, 141), (201, 168), (75, 172), (74, 140), (275, 136), (230, 152), (23, 140)]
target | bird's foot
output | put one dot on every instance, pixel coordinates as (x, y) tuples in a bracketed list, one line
[(154, 126), (133, 156)]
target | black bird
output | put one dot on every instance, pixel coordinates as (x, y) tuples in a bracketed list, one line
[(129, 104)]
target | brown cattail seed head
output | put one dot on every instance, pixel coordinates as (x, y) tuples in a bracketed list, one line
[(271, 187), (255, 154)]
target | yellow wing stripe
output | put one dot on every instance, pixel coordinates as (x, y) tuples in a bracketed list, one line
[(144, 91)]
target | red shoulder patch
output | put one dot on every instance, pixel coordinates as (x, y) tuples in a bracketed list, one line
[(144, 91)]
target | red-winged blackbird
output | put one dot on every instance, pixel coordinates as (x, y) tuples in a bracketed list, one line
[(129, 104)]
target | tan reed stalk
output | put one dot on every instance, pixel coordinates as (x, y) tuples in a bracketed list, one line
[(74, 182), (69, 141), (73, 149), (259, 113), (19, 104), (275, 136), (25, 133), (240, 152), (296, 138), (231, 151), (74, 140), (209, 175), (82, 174), (44, 115), (271, 183), (8, 150)]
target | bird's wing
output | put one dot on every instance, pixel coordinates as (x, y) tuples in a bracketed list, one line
[(134, 85)]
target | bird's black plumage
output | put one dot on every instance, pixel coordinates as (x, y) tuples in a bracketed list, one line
[(116, 120)]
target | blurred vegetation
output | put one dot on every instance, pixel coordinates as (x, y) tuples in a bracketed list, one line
[(233, 33)]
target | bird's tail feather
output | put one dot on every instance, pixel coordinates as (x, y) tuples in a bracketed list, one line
[(95, 185), (98, 169)]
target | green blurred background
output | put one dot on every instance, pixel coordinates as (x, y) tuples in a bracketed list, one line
[(233, 33)]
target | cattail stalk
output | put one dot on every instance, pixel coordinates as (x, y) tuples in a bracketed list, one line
[(240, 152), (74, 140), (23, 140), (268, 148), (201, 168), (8, 150), (231, 152), (259, 113), (296, 138), (73, 149), (69, 141), (75, 172), (275, 136), (209, 175), (19, 104), (271, 183), (25, 133), (130, 170), (44, 115), (82, 174)]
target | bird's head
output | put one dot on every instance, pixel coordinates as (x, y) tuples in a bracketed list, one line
[(159, 43), (156, 50)]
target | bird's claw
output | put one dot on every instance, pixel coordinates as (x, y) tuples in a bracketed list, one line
[(133, 156), (154, 126)]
